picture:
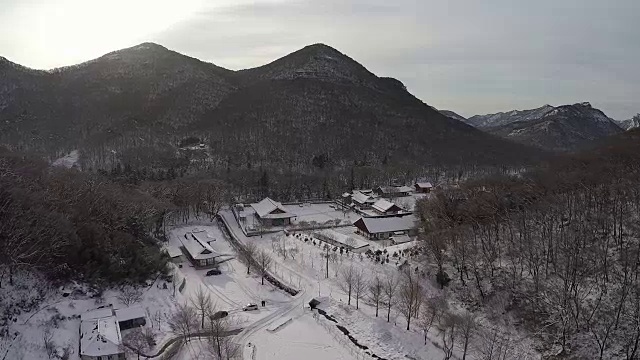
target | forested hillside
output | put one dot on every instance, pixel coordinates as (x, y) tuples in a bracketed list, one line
[(71, 224), (160, 114), (558, 248)]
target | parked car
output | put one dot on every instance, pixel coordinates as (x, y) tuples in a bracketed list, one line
[(250, 307), (214, 272), (219, 315)]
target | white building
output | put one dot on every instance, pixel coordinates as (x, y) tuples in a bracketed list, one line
[(196, 245), (271, 213), (100, 337), (385, 207)]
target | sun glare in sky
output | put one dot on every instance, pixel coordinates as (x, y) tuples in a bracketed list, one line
[(70, 31)]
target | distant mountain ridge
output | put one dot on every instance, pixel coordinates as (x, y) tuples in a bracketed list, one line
[(504, 118), (630, 123), (134, 106), (562, 128)]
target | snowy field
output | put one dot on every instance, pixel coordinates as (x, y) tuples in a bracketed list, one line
[(302, 338), (68, 161)]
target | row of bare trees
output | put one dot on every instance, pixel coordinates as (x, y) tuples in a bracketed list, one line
[(405, 293), (201, 318), (562, 242)]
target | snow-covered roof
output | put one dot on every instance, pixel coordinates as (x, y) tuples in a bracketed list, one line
[(202, 236), (271, 209), (383, 205), (100, 337), (424, 185), (198, 249), (374, 225), (133, 312), (351, 242), (97, 313), (361, 198), (173, 251), (394, 189)]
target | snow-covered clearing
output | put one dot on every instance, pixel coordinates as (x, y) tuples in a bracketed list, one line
[(68, 161), (383, 338), (303, 338)]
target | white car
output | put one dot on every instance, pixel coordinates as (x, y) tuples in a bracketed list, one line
[(250, 307)]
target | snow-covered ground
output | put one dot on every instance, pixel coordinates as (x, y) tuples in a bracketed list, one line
[(70, 160), (283, 329), (302, 338), (306, 266)]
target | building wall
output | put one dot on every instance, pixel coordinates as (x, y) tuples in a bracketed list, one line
[(275, 222)]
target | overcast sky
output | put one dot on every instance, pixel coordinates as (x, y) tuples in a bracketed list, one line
[(469, 56)]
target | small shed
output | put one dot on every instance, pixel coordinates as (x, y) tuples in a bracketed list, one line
[(174, 253), (393, 191), (423, 187), (385, 207), (131, 317)]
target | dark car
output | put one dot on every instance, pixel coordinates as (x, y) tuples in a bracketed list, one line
[(219, 315), (214, 272)]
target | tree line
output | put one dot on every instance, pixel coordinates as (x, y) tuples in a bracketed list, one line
[(559, 245), (72, 224)]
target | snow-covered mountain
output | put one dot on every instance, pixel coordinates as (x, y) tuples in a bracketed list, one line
[(313, 103), (503, 118), (630, 123), (562, 128)]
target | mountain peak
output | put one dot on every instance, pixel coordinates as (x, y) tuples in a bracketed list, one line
[(317, 61), (320, 47)]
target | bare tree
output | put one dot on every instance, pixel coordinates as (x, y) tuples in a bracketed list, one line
[(346, 281), (263, 260), (376, 288), (183, 321), (466, 329), (202, 303), (49, 344), (389, 289), (449, 330), (360, 283), (431, 312), (137, 341), (129, 295), (247, 254), (410, 296), (493, 344), (220, 344)]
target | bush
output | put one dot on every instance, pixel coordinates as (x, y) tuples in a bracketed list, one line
[(442, 278)]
